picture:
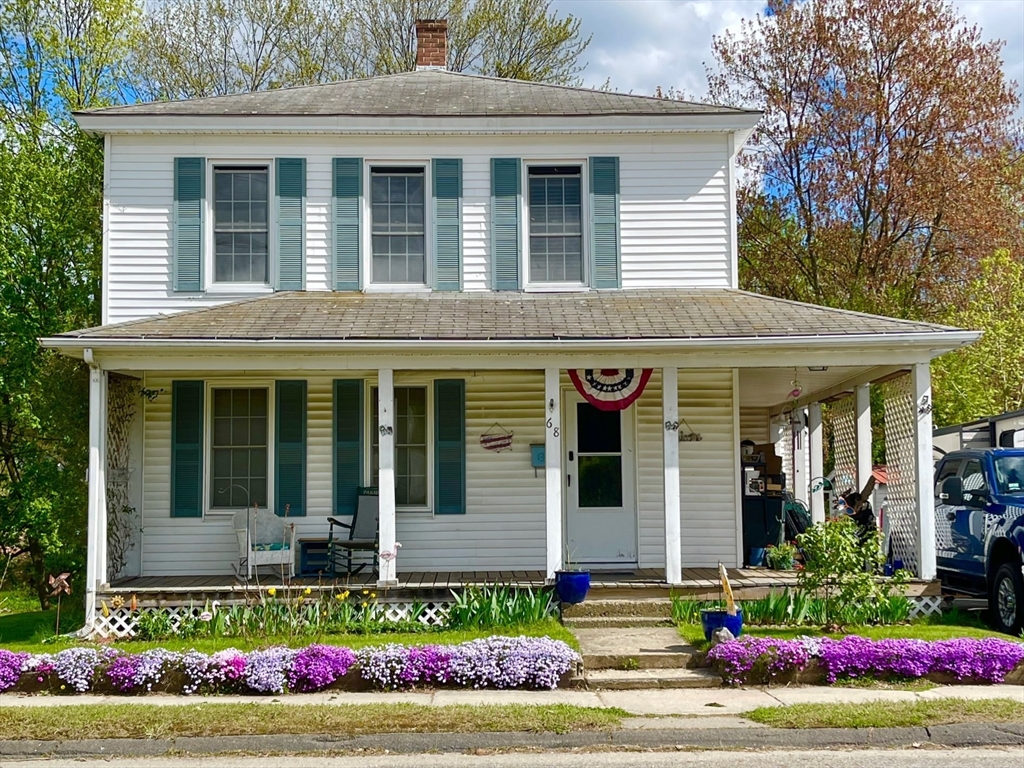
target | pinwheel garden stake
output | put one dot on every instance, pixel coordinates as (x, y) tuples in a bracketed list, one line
[(59, 586)]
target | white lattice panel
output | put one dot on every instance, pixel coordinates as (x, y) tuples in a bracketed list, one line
[(925, 606), (840, 417), (901, 463), (121, 622), (785, 448)]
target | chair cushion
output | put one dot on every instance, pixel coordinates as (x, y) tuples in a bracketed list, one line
[(273, 547)]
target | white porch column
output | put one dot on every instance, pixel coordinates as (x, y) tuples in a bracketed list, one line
[(102, 570), (97, 511), (386, 486), (817, 480), (862, 396), (670, 416), (553, 469), (799, 479), (921, 380)]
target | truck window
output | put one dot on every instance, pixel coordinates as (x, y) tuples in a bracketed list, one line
[(1010, 474), (949, 468), (974, 481)]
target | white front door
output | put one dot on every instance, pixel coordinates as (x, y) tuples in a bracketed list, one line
[(601, 527)]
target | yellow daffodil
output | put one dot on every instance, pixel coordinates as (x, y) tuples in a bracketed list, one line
[(345, 594), (366, 591), (271, 591), (373, 595), (365, 604), (339, 596), (309, 590)]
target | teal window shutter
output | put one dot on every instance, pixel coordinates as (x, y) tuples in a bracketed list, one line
[(290, 448), (348, 189), (348, 444), (450, 446), (505, 222), (189, 185), (290, 183), (604, 215), (187, 448), (447, 229)]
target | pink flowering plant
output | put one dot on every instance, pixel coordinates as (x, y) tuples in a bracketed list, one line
[(761, 660), (494, 662)]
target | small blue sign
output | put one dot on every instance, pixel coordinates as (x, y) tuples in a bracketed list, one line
[(537, 456)]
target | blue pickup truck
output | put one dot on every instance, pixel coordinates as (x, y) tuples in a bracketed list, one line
[(979, 529)]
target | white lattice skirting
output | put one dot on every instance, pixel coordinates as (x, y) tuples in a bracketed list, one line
[(121, 622), (929, 605)]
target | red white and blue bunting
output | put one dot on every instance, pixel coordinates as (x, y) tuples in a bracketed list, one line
[(610, 389)]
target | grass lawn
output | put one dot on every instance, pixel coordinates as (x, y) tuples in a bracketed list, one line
[(917, 631), (24, 632), (890, 714), (148, 721)]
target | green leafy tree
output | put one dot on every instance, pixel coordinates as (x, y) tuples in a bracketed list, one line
[(987, 377)]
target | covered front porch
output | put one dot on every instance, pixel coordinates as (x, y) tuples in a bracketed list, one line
[(519, 475)]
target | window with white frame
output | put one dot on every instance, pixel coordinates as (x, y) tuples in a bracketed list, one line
[(411, 444), (238, 476), (241, 224), (556, 223), (397, 227)]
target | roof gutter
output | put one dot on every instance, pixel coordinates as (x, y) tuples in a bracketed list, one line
[(941, 341)]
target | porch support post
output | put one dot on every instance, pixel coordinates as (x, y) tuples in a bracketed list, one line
[(670, 416), (817, 479), (799, 479), (862, 395), (387, 576), (553, 469), (97, 512), (921, 381)]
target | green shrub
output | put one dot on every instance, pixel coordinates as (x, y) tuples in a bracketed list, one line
[(780, 558)]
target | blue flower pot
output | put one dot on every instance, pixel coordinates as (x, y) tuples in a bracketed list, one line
[(572, 586), (712, 620)]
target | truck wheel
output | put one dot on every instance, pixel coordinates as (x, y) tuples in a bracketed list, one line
[(1006, 600)]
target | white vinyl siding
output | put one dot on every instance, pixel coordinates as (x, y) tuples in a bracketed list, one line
[(503, 528), (754, 424), (674, 211)]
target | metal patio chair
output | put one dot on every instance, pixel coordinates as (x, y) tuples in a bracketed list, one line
[(350, 552)]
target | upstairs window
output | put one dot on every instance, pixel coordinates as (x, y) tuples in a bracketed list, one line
[(397, 225), (240, 229), (556, 228)]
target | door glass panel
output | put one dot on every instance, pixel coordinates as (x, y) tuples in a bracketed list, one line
[(974, 480), (598, 431), (600, 481)]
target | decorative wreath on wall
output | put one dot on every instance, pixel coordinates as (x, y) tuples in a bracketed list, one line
[(610, 389)]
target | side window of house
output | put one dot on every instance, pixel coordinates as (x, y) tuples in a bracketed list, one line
[(397, 225), (410, 444), (556, 226), (949, 469), (239, 461), (240, 224)]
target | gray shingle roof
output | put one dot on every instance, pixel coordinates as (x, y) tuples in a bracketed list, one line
[(683, 314), (426, 93)]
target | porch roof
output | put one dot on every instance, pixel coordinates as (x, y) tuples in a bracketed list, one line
[(684, 315)]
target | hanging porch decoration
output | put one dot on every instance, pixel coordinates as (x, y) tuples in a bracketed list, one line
[(496, 439), (610, 389)]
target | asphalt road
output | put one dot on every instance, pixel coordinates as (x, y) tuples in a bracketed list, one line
[(905, 758)]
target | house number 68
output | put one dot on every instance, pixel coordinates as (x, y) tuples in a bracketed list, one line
[(553, 428)]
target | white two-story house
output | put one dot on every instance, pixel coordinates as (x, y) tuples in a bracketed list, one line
[(511, 307)]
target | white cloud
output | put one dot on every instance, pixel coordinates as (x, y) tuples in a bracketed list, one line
[(641, 44)]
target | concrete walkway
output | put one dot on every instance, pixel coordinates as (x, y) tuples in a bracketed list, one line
[(690, 703)]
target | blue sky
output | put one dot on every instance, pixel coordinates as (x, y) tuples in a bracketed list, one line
[(641, 44)]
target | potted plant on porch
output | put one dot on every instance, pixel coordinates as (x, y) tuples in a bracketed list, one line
[(731, 617), (572, 583)]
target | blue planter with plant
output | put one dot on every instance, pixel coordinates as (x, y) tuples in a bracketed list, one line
[(718, 619), (572, 586)]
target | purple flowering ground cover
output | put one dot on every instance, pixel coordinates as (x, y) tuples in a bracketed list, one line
[(754, 660), (494, 662)]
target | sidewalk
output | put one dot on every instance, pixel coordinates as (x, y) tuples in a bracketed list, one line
[(684, 702)]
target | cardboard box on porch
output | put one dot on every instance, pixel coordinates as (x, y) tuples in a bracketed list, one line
[(773, 463)]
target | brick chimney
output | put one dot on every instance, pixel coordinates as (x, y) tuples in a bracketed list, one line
[(431, 44)]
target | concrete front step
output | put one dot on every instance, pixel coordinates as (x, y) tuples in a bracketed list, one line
[(619, 680), (598, 622), (630, 662), (658, 607)]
